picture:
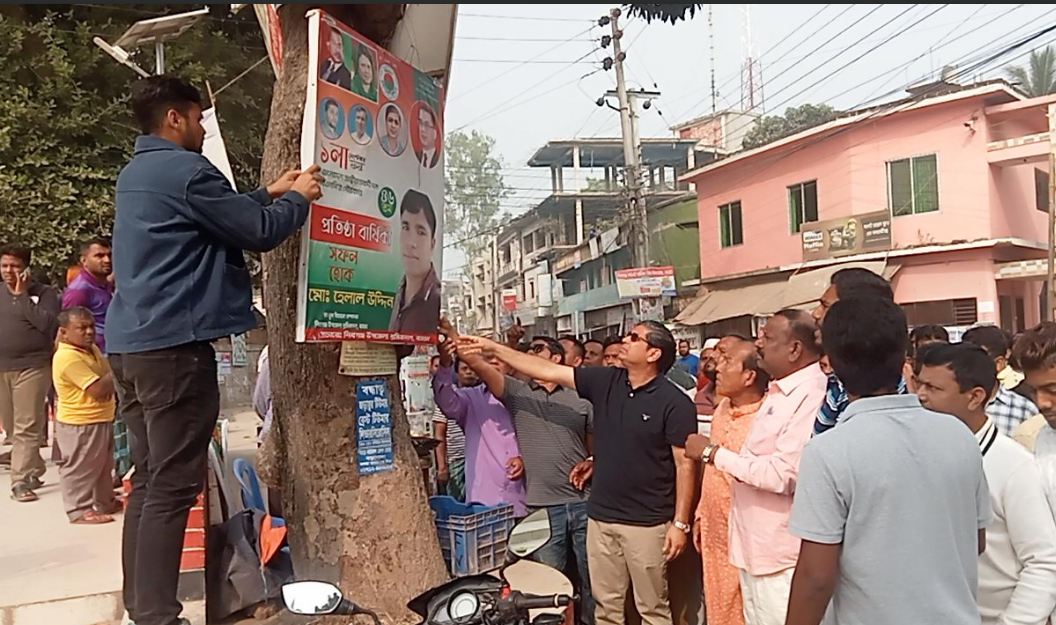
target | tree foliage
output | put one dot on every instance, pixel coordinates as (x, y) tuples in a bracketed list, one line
[(597, 184), (664, 12), (65, 128), (1038, 77), (796, 119), (474, 190)]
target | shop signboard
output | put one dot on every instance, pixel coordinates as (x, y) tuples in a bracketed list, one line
[(509, 300), (856, 234), (646, 282)]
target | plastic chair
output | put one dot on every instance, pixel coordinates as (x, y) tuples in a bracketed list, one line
[(250, 483), (247, 479)]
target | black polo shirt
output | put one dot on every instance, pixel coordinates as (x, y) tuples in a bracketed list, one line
[(634, 430)]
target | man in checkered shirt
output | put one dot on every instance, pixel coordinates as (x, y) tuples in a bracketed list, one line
[(845, 284), (1007, 409)]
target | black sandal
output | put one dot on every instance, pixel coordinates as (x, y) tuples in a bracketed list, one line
[(23, 493)]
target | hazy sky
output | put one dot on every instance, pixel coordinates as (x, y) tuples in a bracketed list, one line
[(843, 55)]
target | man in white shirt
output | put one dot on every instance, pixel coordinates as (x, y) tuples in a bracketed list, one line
[(360, 133), (1035, 351), (1017, 571)]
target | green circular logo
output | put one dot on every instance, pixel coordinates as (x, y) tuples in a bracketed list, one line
[(387, 201)]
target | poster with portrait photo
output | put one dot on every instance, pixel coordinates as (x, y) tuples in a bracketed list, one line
[(393, 124), (426, 135), (360, 124), (331, 118), (372, 249)]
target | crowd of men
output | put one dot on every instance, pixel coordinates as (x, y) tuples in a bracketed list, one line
[(820, 470), (836, 468), (52, 357)]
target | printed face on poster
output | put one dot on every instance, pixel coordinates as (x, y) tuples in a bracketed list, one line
[(371, 254)]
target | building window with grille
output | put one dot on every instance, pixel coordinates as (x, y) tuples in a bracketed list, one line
[(802, 204), (955, 312), (1041, 190), (913, 185), (730, 225)]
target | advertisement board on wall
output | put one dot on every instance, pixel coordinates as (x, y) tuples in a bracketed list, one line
[(846, 236), (509, 300), (646, 282)]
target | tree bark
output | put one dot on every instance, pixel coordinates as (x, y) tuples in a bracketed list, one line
[(373, 535)]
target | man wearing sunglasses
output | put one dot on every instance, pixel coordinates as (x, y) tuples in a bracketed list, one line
[(641, 499), (553, 426)]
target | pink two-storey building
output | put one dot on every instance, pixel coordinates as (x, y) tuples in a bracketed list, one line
[(945, 194)]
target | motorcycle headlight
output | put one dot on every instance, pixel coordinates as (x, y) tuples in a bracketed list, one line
[(462, 608)]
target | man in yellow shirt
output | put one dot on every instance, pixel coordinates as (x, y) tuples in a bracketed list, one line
[(84, 388)]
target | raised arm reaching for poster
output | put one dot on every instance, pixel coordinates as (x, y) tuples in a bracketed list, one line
[(536, 368), (492, 378)]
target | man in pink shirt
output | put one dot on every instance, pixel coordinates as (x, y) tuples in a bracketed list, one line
[(765, 470)]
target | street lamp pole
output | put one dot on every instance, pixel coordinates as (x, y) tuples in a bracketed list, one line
[(156, 30), (159, 57)]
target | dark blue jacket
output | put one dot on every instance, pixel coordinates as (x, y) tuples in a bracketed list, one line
[(179, 233)]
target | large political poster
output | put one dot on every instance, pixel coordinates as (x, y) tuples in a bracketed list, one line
[(371, 250)]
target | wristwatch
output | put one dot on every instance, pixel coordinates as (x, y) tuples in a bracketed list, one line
[(709, 451), (686, 528)]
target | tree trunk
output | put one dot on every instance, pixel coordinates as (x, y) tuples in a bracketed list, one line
[(374, 534)]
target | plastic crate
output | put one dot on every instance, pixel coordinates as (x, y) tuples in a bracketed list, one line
[(122, 448), (472, 536)]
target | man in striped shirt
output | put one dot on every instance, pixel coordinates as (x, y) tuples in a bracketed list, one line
[(845, 284), (451, 452)]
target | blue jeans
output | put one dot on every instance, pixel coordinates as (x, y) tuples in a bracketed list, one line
[(568, 532)]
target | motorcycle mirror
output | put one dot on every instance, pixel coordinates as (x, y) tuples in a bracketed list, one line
[(530, 534), (311, 598)]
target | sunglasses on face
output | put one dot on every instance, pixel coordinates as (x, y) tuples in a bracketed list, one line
[(634, 337)]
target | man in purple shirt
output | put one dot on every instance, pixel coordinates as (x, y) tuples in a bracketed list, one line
[(92, 288), (494, 470)]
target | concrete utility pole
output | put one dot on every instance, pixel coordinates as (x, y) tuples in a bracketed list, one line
[(631, 147), (1049, 300)]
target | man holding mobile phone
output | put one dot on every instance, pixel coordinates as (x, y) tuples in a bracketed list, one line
[(28, 313)]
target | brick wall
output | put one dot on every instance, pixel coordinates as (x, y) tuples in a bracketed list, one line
[(192, 560)]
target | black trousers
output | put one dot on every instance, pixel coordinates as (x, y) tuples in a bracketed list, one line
[(170, 401)]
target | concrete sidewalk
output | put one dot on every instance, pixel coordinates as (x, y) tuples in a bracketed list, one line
[(55, 573)]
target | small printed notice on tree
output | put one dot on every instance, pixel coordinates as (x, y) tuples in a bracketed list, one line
[(361, 359), (373, 427)]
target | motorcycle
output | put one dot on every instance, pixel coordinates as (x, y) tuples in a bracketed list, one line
[(473, 600)]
